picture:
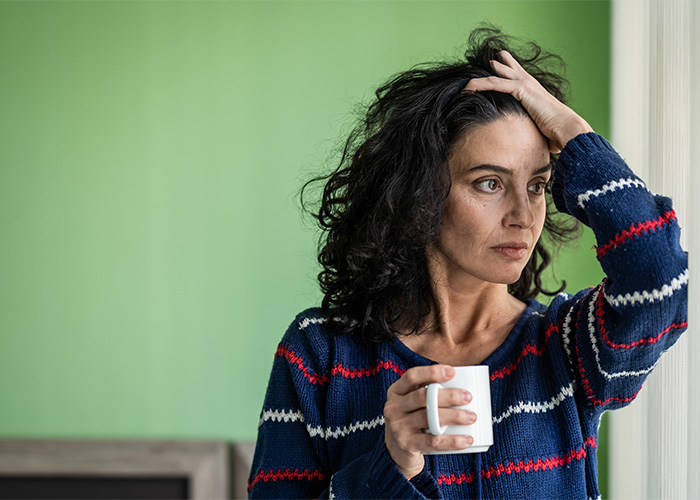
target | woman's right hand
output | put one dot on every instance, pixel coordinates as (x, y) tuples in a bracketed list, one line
[(406, 417)]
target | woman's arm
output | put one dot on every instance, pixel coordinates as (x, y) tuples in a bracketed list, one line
[(619, 329), (615, 333)]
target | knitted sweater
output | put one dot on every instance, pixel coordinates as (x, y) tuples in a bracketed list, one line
[(322, 425)]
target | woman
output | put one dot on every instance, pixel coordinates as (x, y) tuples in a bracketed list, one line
[(431, 259)]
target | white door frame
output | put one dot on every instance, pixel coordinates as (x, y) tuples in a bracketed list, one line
[(654, 452)]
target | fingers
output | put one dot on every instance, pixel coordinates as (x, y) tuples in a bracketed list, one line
[(416, 421), (503, 70), (444, 442), (407, 430), (510, 79), (557, 122), (446, 397), (421, 376), (509, 60), (406, 417), (494, 83), (448, 416), (508, 67)]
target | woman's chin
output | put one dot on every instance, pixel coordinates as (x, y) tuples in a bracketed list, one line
[(507, 277)]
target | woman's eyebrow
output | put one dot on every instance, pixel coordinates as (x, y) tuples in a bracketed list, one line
[(493, 168), (506, 171), (543, 170)]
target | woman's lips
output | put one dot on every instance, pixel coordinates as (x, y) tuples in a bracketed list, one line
[(512, 251)]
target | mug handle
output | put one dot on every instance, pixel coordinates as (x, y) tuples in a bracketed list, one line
[(431, 407)]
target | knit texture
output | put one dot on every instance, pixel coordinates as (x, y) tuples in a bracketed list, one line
[(321, 432)]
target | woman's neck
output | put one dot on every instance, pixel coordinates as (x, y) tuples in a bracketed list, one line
[(462, 317), (467, 322)]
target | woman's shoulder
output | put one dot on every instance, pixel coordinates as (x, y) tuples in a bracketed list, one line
[(306, 333), (312, 319), (308, 338)]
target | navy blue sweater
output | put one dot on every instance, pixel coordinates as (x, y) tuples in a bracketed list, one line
[(322, 425)]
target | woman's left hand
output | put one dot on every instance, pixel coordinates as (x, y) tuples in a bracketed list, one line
[(558, 122)]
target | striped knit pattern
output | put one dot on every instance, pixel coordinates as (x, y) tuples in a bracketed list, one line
[(321, 428)]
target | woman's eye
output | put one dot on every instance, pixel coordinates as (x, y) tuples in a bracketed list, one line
[(488, 185), (538, 187)]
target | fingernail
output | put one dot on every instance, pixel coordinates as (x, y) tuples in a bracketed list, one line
[(467, 397), (448, 371)]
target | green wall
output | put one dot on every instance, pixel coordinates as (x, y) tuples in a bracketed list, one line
[(152, 249)]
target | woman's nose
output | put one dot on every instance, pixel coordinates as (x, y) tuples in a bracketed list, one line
[(520, 213)]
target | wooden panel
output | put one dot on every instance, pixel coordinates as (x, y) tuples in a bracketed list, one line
[(205, 464), (242, 462)]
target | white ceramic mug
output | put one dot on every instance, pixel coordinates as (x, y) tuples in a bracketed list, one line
[(474, 379)]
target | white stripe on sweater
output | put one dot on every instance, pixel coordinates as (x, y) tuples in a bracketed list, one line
[(610, 186), (594, 344), (331, 495), (650, 296), (281, 416), (297, 416), (310, 321), (566, 332), (315, 321), (539, 406), (344, 431)]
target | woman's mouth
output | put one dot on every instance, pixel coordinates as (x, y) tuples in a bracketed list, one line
[(511, 251)]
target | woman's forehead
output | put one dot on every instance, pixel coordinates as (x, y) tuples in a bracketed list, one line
[(511, 142)]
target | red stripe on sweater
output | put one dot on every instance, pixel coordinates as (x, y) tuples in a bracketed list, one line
[(455, 478), (339, 369), (286, 475), (646, 341), (636, 230), (292, 357), (528, 349), (582, 371), (532, 465)]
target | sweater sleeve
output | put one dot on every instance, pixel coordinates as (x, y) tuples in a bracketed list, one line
[(615, 333), (291, 458)]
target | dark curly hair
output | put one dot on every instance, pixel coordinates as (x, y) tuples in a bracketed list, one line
[(383, 205)]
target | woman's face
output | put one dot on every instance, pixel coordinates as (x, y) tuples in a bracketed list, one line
[(496, 207)]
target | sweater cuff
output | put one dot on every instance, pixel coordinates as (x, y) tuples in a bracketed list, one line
[(583, 144), (385, 477), (426, 484), (583, 151)]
